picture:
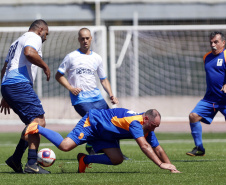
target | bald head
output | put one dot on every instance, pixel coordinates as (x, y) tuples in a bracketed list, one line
[(85, 38), (83, 30), (152, 114), (152, 118)]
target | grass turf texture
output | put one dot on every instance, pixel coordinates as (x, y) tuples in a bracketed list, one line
[(210, 169)]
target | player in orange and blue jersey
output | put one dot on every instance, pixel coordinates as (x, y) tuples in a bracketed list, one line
[(103, 129), (215, 97)]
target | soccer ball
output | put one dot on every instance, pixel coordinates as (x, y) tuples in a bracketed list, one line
[(46, 157)]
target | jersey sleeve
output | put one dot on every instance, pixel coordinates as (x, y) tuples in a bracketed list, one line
[(34, 42), (135, 128), (64, 66), (100, 70), (152, 139)]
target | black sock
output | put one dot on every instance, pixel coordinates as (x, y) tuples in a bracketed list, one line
[(32, 156), (20, 149)]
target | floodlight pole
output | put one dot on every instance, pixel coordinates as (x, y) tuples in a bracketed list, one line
[(97, 9), (97, 12)]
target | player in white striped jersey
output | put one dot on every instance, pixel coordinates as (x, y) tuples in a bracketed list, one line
[(18, 75)]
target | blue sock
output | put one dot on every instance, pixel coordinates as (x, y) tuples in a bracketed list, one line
[(32, 156), (51, 135), (196, 132), (100, 159), (20, 149)]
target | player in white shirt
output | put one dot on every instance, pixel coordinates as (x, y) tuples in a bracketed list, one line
[(81, 69), (81, 66), (18, 75)]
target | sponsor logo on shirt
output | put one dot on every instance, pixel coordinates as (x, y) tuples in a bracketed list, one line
[(219, 62), (84, 71)]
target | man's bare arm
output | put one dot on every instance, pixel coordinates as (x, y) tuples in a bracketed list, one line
[(64, 82), (4, 105), (150, 153), (33, 57)]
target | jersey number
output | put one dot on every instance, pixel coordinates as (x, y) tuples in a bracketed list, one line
[(12, 50)]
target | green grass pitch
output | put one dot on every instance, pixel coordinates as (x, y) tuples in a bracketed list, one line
[(210, 169)]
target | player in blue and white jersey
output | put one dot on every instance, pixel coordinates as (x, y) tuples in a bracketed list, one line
[(103, 129), (215, 97), (18, 75), (81, 66)]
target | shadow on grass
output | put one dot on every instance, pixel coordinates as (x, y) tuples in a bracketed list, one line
[(12, 173)]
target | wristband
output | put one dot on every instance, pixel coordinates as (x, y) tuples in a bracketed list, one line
[(160, 164)]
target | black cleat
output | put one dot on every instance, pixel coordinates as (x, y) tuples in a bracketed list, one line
[(196, 152), (35, 168), (17, 167), (89, 149), (125, 157)]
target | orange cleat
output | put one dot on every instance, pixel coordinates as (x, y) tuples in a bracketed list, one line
[(32, 128), (81, 165)]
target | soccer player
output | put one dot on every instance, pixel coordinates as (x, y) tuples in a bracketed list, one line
[(215, 98), (81, 66), (103, 129), (18, 75)]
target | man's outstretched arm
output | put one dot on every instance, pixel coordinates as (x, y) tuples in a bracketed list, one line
[(150, 153), (163, 156)]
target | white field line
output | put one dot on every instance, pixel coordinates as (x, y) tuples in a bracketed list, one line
[(177, 141), (134, 142), (175, 119)]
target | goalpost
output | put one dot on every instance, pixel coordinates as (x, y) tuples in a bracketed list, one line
[(150, 66), (60, 41), (160, 66)]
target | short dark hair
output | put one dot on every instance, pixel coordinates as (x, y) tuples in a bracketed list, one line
[(37, 23), (152, 114), (214, 33)]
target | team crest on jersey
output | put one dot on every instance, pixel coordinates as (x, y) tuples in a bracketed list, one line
[(219, 62)]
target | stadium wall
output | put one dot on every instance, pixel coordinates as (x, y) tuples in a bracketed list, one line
[(172, 109), (174, 112)]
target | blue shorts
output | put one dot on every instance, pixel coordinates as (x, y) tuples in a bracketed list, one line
[(207, 111), (83, 108), (98, 145), (23, 100), (83, 133)]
